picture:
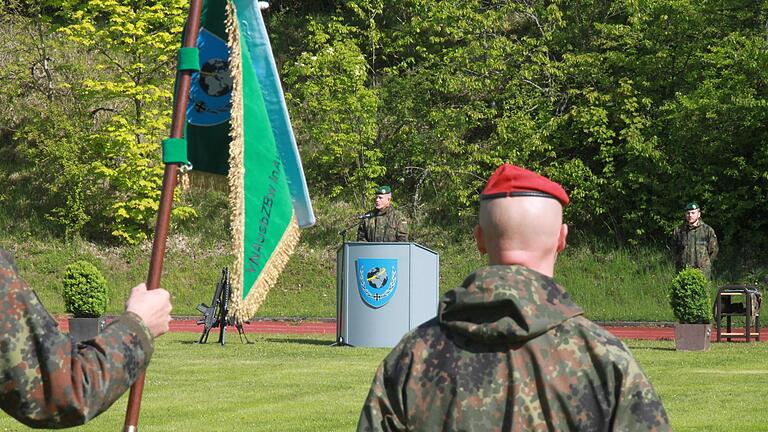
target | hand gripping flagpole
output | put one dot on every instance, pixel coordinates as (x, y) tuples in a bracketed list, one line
[(166, 196)]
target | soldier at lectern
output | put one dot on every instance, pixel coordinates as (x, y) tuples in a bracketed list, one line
[(384, 223)]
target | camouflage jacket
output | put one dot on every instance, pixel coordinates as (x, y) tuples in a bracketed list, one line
[(695, 246), (386, 225), (510, 351), (45, 380)]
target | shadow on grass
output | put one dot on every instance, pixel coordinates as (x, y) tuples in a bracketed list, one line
[(216, 342), (196, 342), (300, 341), (647, 348)]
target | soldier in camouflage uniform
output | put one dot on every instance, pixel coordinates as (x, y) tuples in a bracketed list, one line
[(694, 242), (383, 223), (45, 381), (509, 349)]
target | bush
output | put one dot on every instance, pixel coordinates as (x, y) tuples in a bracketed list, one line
[(689, 297), (85, 290)]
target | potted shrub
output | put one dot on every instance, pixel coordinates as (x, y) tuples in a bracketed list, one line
[(85, 297), (689, 298)]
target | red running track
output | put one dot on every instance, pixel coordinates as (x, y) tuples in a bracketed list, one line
[(668, 333), (329, 328), (284, 327)]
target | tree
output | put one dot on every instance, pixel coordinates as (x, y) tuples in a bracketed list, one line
[(42, 120), (133, 44), (336, 114), (636, 107)]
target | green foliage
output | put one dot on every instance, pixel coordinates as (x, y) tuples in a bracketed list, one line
[(689, 297), (42, 160), (636, 107), (60, 171), (336, 113), (88, 122), (135, 45), (133, 170), (610, 283), (85, 290)]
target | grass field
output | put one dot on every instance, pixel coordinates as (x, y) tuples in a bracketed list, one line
[(610, 282), (299, 383)]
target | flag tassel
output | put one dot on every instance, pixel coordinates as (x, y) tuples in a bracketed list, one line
[(245, 308)]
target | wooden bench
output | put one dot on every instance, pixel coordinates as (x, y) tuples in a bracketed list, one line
[(725, 307)]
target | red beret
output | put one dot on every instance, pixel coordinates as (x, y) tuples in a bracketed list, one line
[(513, 181)]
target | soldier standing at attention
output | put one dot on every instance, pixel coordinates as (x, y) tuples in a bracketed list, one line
[(695, 243), (45, 380), (384, 223), (509, 349)]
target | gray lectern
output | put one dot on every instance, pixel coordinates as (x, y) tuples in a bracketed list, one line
[(382, 291)]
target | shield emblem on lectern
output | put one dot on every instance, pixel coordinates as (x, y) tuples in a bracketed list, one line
[(376, 280)]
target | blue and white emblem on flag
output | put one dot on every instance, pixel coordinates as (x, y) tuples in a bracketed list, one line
[(210, 95), (376, 280)]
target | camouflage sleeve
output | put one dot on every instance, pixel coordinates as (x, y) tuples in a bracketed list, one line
[(712, 245), (383, 410), (402, 229), (362, 231), (45, 381), (639, 407)]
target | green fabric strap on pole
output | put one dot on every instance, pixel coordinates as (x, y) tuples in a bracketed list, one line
[(189, 59), (175, 151)]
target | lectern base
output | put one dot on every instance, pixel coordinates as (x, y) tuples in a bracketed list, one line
[(340, 343), (383, 290)]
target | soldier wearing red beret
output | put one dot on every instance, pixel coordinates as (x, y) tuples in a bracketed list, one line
[(509, 349)]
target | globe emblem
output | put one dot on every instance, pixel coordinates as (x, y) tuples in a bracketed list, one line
[(215, 79), (377, 277)]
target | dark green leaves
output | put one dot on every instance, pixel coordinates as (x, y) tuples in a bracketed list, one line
[(689, 297)]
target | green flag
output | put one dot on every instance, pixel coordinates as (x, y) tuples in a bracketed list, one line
[(227, 111), (210, 96)]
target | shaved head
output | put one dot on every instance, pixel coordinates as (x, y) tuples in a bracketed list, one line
[(527, 231)]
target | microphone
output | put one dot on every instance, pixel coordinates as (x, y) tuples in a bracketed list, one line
[(368, 215)]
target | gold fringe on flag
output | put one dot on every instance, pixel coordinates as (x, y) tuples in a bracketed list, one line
[(244, 309)]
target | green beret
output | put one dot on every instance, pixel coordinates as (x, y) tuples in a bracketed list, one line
[(691, 206), (383, 189)]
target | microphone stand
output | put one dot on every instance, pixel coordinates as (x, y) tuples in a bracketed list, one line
[(360, 219), (343, 233), (339, 292)]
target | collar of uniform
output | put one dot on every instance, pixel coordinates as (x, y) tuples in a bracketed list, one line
[(506, 304), (695, 225)]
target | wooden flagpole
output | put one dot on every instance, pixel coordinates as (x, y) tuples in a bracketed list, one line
[(166, 197)]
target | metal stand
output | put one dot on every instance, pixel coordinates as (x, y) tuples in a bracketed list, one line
[(340, 342), (216, 315), (343, 233)]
